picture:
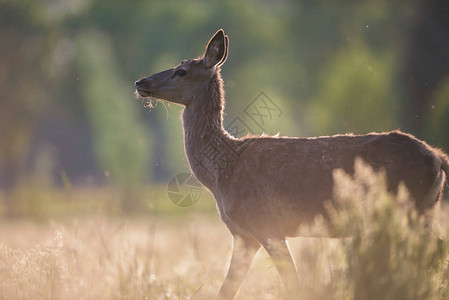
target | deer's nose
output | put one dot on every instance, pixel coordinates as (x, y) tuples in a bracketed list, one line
[(139, 82)]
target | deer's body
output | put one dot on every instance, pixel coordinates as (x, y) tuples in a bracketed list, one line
[(283, 182), (266, 187)]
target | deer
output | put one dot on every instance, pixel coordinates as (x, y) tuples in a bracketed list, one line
[(265, 187)]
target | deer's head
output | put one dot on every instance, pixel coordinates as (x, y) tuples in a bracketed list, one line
[(182, 83)]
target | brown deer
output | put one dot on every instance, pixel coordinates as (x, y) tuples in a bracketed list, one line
[(266, 187)]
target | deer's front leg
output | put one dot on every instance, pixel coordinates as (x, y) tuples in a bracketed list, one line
[(243, 251)]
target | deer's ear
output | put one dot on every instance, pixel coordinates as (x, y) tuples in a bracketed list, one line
[(225, 56), (216, 50)]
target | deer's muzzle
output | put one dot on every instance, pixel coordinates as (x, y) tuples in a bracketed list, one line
[(140, 89)]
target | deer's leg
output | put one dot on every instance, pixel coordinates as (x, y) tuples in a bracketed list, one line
[(278, 250), (244, 249)]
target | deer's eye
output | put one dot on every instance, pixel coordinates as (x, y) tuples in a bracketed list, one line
[(181, 72)]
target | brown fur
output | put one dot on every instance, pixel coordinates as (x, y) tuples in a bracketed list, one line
[(265, 187)]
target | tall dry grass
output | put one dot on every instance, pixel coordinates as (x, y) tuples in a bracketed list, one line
[(390, 255)]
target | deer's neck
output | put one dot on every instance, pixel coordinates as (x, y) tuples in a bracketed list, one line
[(206, 141)]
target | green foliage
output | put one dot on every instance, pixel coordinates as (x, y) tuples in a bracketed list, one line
[(356, 94), (121, 141), (68, 67)]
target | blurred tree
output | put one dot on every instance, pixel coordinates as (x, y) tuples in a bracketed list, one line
[(426, 65), (356, 95), (437, 117), (21, 94), (67, 70), (121, 142), (24, 87)]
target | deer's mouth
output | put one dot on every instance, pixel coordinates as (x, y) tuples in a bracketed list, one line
[(143, 93)]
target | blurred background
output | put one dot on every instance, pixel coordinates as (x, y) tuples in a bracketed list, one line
[(74, 139)]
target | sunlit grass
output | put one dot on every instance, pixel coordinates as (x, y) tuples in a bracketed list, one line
[(174, 253)]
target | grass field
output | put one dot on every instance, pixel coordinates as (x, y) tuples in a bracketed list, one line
[(173, 253), (144, 258)]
